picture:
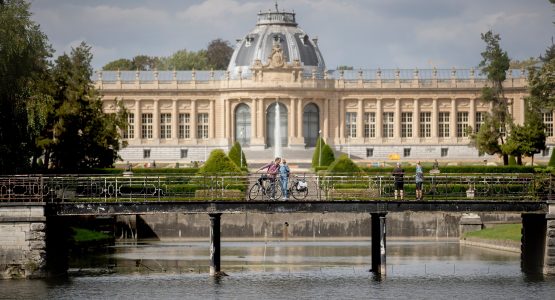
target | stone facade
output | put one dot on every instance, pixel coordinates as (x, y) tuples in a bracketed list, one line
[(22, 241)]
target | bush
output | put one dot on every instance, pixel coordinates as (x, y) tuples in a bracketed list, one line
[(235, 154), (218, 162), (344, 165), (316, 155), (460, 169), (512, 160), (552, 159), (327, 155)]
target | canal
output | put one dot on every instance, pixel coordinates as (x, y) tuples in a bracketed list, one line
[(298, 269)]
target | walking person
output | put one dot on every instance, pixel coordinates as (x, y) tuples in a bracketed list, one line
[(284, 178), (399, 181), (272, 171), (419, 179)]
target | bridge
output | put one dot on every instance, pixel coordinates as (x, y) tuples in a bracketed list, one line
[(33, 208)]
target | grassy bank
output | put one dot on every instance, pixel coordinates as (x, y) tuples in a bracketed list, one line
[(510, 232), (82, 235)]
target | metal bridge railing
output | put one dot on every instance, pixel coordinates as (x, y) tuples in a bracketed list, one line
[(234, 187)]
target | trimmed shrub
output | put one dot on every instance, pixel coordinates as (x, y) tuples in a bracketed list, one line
[(235, 154), (316, 155), (552, 159), (327, 155), (344, 165), (218, 162)]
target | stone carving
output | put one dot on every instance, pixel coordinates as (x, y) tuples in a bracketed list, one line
[(276, 59)]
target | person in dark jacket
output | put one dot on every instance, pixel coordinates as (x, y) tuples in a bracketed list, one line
[(399, 181)]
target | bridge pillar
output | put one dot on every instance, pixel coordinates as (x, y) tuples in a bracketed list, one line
[(533, 244), (215, 244), (378, 243), (549, 264)]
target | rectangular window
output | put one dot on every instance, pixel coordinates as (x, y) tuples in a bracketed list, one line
[(369, 125), (425, 124), (387, 131), (462, 124), (202, 126), (444, 152), (351, 124), (443, 124), (369, 152), (548, 123), (479, 120), (406, 124), (545, 151), (165, 126), (130, 132), (146, 153), (184, 126), (146, 126), (184, 153), (406, 152)]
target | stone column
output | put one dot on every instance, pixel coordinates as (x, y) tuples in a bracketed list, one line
[(296, 139), (138, 120), (156, 121), (415, 119), (326, 119), (379, 118), (175, 123), (360, 120), (292, 120), (434, 118), (341, 120), (215, 244), (229, 115), (254, 122), (453, 119), (212, 120), (472, 114), (397, 119), (193, 119), (300, 135), (378, 243)]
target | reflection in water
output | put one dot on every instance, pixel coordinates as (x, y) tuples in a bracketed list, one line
[(291, 270)]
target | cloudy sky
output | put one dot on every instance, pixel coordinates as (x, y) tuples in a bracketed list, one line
[(359, 33)]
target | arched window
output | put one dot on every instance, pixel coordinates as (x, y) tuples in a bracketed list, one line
[(311, 124), (270, 124), (243, 124)]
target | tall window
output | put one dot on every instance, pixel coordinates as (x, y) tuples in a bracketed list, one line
[(165, 126), (184, 126), (369, 125), (479, 120), (425, 124), (146, 126), (462, 124), (130, 132), (202, 126), (387, 125), (351, 124), (443, 124), (548, 123), (406, 124)]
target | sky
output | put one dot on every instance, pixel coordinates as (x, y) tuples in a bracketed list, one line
[(368, 34)]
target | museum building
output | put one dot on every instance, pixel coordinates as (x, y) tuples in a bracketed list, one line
[(374, 115)]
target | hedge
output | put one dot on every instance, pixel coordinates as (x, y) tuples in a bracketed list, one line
[(457, 169)]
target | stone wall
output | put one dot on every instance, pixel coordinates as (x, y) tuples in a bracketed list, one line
[(549, 261), (22, 240)]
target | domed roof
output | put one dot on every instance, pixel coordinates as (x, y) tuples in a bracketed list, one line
[(275, 27)]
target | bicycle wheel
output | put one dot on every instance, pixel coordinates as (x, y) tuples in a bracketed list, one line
[(298, 194), (254, 191)]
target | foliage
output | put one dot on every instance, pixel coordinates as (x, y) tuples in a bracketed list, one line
[(327, 155), (82, 136), (316, 155), (552, 159), (218, 162), (81, 235), (344, 165), (139, 62), (510, 232), (235, 154), (218, 54), (185, 60), (460, 170), (24, 53), (512, 160), (123, 64), (523, 64), (527, 139), (494, 64)]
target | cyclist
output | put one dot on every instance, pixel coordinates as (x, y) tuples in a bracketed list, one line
[(283, 178), (272, 170)]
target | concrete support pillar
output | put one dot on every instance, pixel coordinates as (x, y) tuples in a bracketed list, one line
[(215, 244), (378, 243), (533, 245)]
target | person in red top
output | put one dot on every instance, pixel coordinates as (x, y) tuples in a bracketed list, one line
[(272, 171)]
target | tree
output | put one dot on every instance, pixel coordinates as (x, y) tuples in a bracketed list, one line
[(316, 155), (185, 60), (327, 155), (145, 62), (82, 136), (218, 54), (122, 64), (24, 53), (235, 154), (523, 64), (492, 134)]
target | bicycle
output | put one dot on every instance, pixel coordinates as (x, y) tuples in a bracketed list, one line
[(298, 189), (260, 188)]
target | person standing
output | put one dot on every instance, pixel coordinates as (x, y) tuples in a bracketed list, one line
[(399, 181), (419, 179), (272, 170), (284, 178)]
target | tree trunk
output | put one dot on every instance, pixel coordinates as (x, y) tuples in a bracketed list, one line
[(519, 160), (532, 160), (505, 159)]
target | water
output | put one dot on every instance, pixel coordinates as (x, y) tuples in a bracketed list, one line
[(291, 270)]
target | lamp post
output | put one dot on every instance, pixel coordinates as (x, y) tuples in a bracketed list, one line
[(241, 148), (320, 142)]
